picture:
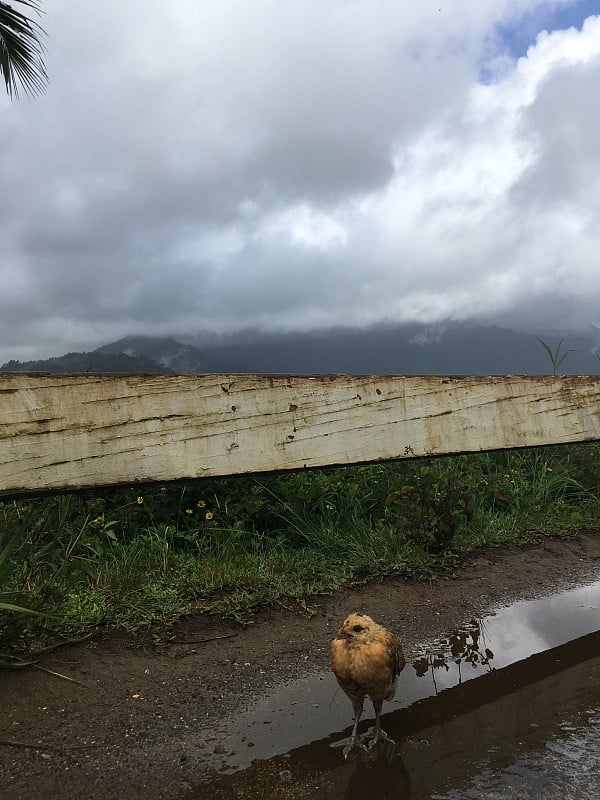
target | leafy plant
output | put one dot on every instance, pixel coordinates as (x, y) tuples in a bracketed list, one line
[(21, 49), (555, 356), (141, 557)]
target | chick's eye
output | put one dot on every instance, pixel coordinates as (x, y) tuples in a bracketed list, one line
[(357, 628)]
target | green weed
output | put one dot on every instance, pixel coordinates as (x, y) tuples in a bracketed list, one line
[(555, 356), (142, 557)]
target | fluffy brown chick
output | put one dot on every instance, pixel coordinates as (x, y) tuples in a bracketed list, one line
[(366, 659)]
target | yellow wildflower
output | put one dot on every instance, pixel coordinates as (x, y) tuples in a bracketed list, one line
[(209, 515), (189, 511), (140, 501), (201, 503)]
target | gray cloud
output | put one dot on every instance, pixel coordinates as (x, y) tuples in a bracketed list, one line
[(296, 165)]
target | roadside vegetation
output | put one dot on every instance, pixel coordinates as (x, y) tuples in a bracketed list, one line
[(139, 558)]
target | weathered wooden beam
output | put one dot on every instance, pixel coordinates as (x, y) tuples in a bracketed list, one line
[(75, 431)]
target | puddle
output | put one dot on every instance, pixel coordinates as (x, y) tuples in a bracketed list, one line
[(535, 704), (566, 767)]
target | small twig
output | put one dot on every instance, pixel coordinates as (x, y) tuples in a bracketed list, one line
[(17, 663), (60, 675), (55, 748), (20, 663), (202, 641), (62, 643), (13, 743)]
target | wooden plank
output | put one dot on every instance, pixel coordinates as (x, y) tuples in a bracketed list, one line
[(75, 431)]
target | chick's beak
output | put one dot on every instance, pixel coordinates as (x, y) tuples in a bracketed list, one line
[(343, 633)]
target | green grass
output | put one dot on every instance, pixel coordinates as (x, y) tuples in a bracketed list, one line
[(140, 558)]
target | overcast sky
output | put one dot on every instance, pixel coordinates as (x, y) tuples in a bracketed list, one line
[(297, 164)]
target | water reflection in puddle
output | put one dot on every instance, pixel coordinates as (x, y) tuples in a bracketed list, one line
[(566, 767), (537, 664)]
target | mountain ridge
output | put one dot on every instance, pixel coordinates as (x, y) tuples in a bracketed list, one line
[(453, 349)]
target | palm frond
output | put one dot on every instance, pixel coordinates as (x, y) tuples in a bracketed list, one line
[(21, 50)]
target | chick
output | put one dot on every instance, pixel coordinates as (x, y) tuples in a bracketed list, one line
[(366, 660)]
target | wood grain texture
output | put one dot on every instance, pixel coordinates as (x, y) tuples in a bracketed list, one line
[(76, 431)]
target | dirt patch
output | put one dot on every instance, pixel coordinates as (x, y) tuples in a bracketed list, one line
[(140, 720)]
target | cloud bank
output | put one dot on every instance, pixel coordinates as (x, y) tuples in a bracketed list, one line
[(295, 165)]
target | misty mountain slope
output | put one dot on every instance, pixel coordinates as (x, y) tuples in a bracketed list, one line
[(89, 362), (167, 351), (408, 349), (455, 349)]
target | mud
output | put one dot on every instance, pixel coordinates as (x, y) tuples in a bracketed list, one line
[(140, 721)]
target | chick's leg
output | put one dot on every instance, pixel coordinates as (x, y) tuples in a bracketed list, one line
[(357, 705), (379, 732)]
